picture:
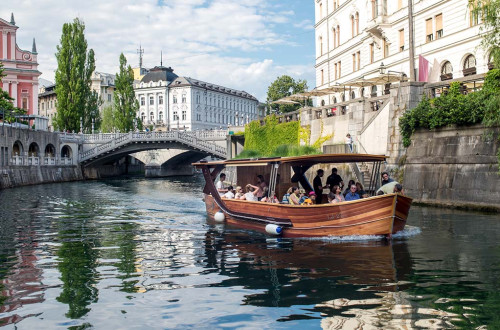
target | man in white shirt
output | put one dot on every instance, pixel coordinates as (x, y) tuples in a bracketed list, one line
[(221, 187), (230, 193)]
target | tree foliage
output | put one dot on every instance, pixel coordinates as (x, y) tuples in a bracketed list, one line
[(488, 12), (75, 99), (7, 108), (108, 122), (285, 86), (125, 104), (455, 108)]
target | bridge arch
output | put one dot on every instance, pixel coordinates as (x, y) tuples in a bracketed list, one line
[(17, 148), (50, 150), (33, 150), (66, 152)]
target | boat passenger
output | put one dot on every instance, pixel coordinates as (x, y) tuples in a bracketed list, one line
[(348, 189), (386, 179), (268, 198), (239, 193), (303, 196), (352, 195), (220, 185), (361, 192), (337, 194), (251, 194), (318, 186), (331, 197), (230, 193), (334, 179), (261, 183), (286, 196), (387, 188), (398, 189), (310, 200), (294, 196)]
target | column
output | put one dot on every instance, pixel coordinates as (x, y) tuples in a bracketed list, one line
[(4, 44), (12, 45), (14, 93)]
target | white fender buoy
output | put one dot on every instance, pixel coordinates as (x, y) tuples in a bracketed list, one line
[(273, 229), (219, 216)]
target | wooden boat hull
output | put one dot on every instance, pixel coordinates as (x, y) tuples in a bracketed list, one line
[(379, 215)]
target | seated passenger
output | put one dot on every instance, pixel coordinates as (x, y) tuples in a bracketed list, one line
[(261, 183), (331, 197), (361, 192), (348, 188), (303, 197), (398, 189), (221, 187), (337, 194), (294, 196), (286, 196), (251, 194), (239, 193), (310, 200), (229, 194), (268, 198), (352, 195)]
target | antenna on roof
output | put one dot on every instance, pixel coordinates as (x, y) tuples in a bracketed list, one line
[(161, 57), (140, 51)]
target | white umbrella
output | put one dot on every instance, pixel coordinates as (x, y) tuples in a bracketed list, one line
[(284, 101), (385, 79)]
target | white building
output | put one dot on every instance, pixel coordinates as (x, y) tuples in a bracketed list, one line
[(182, 103), (353, 38), (104, 85)]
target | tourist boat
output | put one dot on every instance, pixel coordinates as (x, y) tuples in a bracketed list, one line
[(377, 215)]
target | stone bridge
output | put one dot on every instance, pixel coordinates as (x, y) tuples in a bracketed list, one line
[(184, 147)]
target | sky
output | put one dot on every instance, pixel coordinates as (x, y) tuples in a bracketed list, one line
[(241, 44)]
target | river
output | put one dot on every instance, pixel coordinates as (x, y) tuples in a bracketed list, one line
[(135, 254)]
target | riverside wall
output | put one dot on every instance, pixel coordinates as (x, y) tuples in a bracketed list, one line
[(454, 167), (29, 157)]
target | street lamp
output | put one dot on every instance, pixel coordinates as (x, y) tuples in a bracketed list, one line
[(382, 70)]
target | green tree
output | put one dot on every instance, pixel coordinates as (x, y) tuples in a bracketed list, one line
[(75, 99), (284, 86), (124, 102), (7, 108), (108, 121), (488, 12)]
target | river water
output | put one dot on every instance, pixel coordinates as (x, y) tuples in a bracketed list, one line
[(136, 254)]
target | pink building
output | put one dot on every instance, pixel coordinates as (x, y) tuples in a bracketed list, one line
[(20, 67)]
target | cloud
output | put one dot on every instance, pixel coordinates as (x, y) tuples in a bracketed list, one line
[(220, 41)]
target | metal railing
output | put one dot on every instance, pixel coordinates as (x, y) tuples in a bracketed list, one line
[(187, 138)]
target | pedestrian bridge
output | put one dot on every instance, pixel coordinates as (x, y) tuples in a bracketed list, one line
[(102, 148)]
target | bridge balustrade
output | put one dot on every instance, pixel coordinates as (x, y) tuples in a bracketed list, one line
[(32, 160), (49, 161)]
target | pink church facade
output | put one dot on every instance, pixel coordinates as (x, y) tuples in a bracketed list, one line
[(20, 68)]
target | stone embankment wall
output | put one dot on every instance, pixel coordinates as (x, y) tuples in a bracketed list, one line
[(455, 167), (30, 157)]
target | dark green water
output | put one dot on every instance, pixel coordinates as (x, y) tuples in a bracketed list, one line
[(140, 254)]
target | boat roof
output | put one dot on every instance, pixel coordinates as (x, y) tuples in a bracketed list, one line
[(297, 160)]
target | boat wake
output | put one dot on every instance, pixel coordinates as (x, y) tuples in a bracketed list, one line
[(409, 231)]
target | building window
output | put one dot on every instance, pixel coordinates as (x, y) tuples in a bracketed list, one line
[(175, 99), (160, 99), (143, 117), (109, 97), (354, 62), (374, 91), (439, 26), (151, 100), (356, 18), (446, 71), (338, 35), (184, 115), (353, 95), (374, 9), (336, 68), (322, 76), (320, 46), (151, 117), (386, 47), (340, 69), (401, 40), (334, 34), (25, 103), (176, 117), (352, 26), (429, 36), (400, 4), (320, 10), (335, 4), (359, 60), (470, 65), (160, 116), (473, 16), (143, 100), (183, 98), (372, 53)]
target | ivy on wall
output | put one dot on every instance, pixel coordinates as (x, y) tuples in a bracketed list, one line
[(266, 138)]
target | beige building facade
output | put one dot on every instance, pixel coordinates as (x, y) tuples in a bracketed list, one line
[(354, 37)]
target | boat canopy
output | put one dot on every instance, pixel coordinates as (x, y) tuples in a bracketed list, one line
[(296, 160)]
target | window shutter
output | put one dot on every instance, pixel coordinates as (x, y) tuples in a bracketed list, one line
[(439, 22)]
